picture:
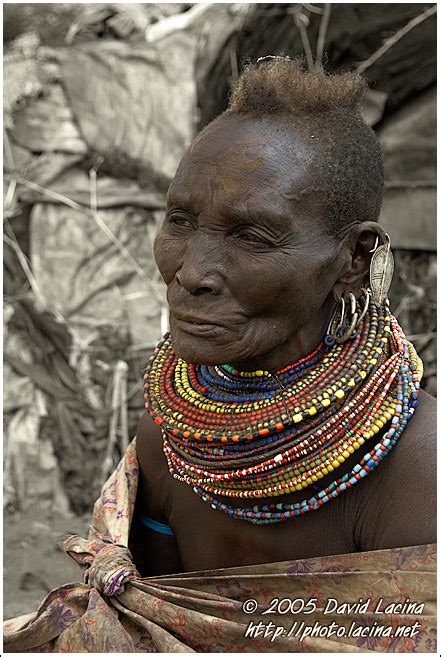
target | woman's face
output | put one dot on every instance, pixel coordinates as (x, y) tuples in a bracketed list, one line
[(244, 250)]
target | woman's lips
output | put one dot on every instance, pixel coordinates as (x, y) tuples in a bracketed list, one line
[(196, 325)]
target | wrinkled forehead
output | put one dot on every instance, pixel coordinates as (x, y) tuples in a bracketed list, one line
[(240, 157)]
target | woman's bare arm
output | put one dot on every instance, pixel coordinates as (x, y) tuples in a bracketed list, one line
[(154, 553)]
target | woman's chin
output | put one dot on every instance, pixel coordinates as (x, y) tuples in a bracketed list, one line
[(203, 350)]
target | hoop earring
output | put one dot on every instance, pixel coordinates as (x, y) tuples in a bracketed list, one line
[(367, 294), (341, 327), (345, 319), (381, 272)]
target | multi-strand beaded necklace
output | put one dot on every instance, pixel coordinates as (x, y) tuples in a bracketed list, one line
[(262, 434)]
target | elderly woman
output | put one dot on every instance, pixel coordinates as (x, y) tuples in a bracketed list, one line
[(285, 421), (280, 407)]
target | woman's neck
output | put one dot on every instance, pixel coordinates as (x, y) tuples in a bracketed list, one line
[(296, 347)]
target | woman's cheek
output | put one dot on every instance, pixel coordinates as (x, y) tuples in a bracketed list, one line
[(168, 255), (269, 283)]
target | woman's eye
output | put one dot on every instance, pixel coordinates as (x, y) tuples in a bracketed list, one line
[(249, 236), (176, 220)]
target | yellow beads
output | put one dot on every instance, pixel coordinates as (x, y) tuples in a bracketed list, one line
[(308, 433)]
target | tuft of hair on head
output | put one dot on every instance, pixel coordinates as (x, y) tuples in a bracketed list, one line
[(280, 85), (348, 161)]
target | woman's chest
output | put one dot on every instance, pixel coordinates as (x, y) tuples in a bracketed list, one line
[(208, 538)]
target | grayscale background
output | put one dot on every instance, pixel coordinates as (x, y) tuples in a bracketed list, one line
[(100, 101)]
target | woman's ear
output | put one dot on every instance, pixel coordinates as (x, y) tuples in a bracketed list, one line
[(359, 243)]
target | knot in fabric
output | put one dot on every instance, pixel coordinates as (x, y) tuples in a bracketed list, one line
[(111, 568)]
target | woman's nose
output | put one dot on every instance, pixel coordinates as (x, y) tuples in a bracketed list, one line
[(197, 273)]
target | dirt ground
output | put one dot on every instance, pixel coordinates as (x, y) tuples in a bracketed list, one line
[(33, 565)]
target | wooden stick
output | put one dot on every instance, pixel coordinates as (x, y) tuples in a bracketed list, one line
[(387, 45), (323, 29), (40, 300), (10, 163), (312, 8), (107, 465), (305, 41), (123, 408)]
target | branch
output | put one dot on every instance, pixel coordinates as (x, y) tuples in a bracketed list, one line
[(387, 45), (323, 28), (301, 21)]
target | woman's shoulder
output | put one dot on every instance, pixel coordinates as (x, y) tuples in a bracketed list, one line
[(149, 448), (426, 408), (154, 474), (417, 445), (427, 404), (418, 440), (400, 501)]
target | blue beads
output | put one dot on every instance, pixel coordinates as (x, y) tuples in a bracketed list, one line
[(226, 384)]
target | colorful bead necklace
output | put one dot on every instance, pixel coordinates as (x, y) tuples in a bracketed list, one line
[(263, 434)]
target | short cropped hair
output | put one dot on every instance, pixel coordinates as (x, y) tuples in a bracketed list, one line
[(349, 161)]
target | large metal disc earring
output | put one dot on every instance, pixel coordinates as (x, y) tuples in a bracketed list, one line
[(381, 272)]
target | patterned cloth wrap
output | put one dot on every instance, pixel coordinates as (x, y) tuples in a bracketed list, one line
[(117, 611)]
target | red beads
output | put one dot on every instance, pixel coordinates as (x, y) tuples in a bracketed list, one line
[(263, 434)]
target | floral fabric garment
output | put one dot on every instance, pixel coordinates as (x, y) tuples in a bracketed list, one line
[(383, 600)]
